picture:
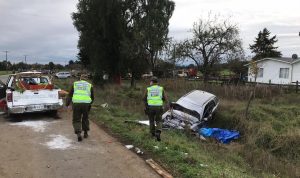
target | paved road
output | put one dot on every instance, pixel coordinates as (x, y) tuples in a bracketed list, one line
[(45, 147), (4, 78)]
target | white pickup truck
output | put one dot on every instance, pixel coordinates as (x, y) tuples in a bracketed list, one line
[(31, 92)]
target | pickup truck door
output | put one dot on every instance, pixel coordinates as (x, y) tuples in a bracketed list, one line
[(3, 104)]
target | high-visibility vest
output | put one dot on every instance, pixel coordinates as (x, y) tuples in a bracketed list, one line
[(155, 95), (82, 92)]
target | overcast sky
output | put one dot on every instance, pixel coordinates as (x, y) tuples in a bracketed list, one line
[(43, 29)]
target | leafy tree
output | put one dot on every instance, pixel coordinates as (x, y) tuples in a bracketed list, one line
[(116, 35), (71, 62), (212, 41), (100, 32), (156, 23), (264, 45), (51, 65), (145, 33)]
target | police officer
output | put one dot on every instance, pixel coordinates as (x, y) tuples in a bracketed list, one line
[(154, 99), (82, 96)]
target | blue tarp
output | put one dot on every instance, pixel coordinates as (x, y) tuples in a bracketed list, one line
[(222, 135)]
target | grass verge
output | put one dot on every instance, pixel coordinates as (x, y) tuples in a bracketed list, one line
[(268, 147)]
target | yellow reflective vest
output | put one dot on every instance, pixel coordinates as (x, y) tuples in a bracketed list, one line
[(82, 92), (155, 95)]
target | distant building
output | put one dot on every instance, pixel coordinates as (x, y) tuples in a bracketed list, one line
[(276, 71)]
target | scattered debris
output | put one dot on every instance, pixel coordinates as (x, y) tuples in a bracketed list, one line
[(37, 126), (138, 151), (222, 135), (202, 138), (158, 169), (191, 111), (129, 146), (143, 122), (156, 147), (105, 105), (59, 142), (203, 165)]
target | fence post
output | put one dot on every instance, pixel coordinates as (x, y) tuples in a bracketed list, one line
[(297, 86)]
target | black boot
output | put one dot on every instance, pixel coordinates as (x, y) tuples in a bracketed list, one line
[(85, 135), (157, 134), (79, 137)]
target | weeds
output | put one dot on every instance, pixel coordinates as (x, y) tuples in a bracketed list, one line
[(269, 145)]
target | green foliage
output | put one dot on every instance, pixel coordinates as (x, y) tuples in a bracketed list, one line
[(261, 151), (118, 35), (264, 46)]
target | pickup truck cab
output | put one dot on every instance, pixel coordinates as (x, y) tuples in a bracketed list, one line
[(31, 92)]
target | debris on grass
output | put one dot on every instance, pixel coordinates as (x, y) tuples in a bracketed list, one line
[(142, 122), (105, 105), (158, 169), (203, 165), (138, 151), (222, 135)]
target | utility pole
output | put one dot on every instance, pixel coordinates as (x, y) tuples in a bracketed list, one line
[(6, 60), (25, 56)]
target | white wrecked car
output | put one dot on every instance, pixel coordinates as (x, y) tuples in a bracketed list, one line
[(191, 110)]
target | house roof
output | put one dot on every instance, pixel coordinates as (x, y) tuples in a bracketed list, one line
[(279, 59)]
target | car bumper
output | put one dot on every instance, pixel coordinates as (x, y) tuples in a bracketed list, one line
[(33, 108)]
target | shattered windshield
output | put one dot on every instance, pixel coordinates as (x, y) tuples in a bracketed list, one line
[(185, 110)]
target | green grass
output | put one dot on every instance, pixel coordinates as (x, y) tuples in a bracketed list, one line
[(5, 72), (268, 147)]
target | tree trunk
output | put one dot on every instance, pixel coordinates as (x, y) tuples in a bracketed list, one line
[(132, 81), (205, 70), (252, 95)]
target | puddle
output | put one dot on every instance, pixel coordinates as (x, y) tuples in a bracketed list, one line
[(59, 142), (37, 126)]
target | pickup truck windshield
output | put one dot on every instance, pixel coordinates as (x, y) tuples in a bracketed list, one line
[(35, 80)]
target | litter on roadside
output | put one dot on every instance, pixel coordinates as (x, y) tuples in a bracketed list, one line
[(129, 146), (138, 151), (161, 171), (222, 135)]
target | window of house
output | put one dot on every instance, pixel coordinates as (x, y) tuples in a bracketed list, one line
[(260, 73), (284, 73)]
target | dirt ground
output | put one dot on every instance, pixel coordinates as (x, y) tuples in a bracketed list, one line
[(41, 146)]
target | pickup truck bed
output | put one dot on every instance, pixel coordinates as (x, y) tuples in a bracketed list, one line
[(25, 93)]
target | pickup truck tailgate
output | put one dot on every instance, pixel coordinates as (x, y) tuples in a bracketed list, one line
[(30, 97)]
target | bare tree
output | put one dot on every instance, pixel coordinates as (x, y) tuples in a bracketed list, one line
[(253, 70), (213, 39)]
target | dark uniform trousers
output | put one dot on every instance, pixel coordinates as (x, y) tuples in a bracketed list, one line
[(81, 117), (155, 114)]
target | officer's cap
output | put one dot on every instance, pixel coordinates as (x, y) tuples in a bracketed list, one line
[(154, 79)]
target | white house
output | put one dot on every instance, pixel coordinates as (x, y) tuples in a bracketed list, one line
[(276, 70)]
